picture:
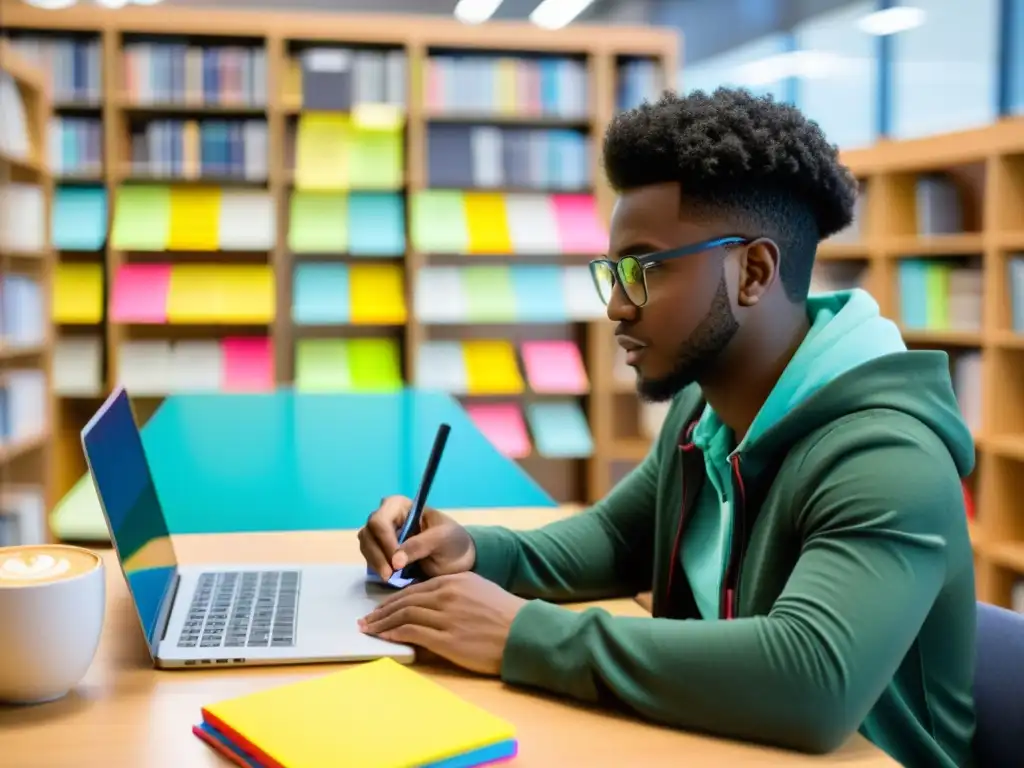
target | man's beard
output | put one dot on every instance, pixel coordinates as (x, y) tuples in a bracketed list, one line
[(698, 353)]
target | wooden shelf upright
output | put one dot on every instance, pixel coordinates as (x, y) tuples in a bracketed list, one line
[(26, 460)]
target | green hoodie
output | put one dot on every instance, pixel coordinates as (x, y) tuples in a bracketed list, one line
[(843, 577)]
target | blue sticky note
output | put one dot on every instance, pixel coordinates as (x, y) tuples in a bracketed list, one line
[(539, 294), (560, 430), (320, 294), (376, 224), (79, 218)]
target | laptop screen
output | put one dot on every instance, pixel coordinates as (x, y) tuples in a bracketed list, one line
[(127, 494)]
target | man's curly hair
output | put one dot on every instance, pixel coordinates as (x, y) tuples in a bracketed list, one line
[(753, 160)]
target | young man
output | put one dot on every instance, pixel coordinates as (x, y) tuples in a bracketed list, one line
[(800, 519)]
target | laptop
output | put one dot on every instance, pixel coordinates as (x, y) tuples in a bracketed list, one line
[(219, 613)]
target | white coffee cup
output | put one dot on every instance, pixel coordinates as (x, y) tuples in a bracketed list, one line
[(52, 604)]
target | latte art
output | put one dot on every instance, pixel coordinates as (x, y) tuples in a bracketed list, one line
[(27, 566), (33, 567)]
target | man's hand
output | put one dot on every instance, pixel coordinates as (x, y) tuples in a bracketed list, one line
[(462, 617)]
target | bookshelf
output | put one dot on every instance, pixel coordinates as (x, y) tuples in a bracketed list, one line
[(26, 275), (340, 203)]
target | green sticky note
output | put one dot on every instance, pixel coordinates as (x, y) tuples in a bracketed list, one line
[(78, 517), (375, 365), (439, 222), (318, 222), (560, 429), (376, 159), (321, 365), (490, 294), (142, 218)]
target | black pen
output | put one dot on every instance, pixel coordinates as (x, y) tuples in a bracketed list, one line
[(412, 521)]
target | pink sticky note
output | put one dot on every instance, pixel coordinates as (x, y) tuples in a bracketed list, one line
[(503, 425), (580, 230), (248, 364), (554, 367), (140, 294)]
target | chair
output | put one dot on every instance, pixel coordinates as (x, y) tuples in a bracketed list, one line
[(999, 688)]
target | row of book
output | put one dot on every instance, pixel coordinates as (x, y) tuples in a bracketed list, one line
[(639, 80), (938, 205), (965, 368), (452, 222), (22, 217), (233, 364), (333, 152), (487, 156), (491, 367), (195, 149), (78, 365), (72, 67), (22, 515), (482, 84), (335, 79), (1015, 280), (22, 311), (75, 146), (23, 405), (940, 295), (558, 428), (180, 73)]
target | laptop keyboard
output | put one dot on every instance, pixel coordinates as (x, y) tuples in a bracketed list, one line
[(242, 609)]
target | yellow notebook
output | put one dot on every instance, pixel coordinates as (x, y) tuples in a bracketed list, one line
[(374, 715)]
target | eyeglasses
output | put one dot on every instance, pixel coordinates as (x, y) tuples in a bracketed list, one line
[(631, 271)]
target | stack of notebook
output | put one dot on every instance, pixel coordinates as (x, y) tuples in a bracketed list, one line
[(374, 715)]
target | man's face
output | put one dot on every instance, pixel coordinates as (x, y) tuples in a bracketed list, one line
[(688, 319)]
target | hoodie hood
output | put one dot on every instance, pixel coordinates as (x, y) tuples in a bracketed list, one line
[(852, 359)]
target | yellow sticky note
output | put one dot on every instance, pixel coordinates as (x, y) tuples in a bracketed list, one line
[(491, 368), (321, 151), (378, 117), (377, 294), (78, 294), (195, 219), (291, 89), (487, 222), (224, 295)]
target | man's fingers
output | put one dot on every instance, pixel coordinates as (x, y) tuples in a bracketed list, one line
[(436, 641), (374, 555), (409, 615), (384, 523), (418, 547)]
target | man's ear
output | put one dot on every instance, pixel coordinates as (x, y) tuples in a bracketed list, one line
[(759, 268)]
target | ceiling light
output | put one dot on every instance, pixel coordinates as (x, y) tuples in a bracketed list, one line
[(555, 14), (476, 11), (146, 2), (51, 5), (899, 18), (113, 3)]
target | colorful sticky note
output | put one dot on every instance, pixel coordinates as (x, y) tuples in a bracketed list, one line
[(374, 365), (502, 424), (231, 295), (248, 364), (248, 221), (539, 293), (487, 223), (491, 368), (439, 222), (321, 365), (140, 294), (376, 159), (376, 224), (579, 227), (79, 219), (320, 294), (318, 223), (490, 297), (195, 219), (560, 429), (248, 294), (78, 293), (142, 218), (441, 366), (532, 225), (554, 367), (322, 151), (440, 295), (377, 294)]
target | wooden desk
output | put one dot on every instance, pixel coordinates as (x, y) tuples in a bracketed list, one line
[(127, 715)]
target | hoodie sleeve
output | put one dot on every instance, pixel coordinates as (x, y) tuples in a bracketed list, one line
[(874, 557), (604, 551)]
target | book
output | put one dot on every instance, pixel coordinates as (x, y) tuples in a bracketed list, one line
[(343, 719)]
